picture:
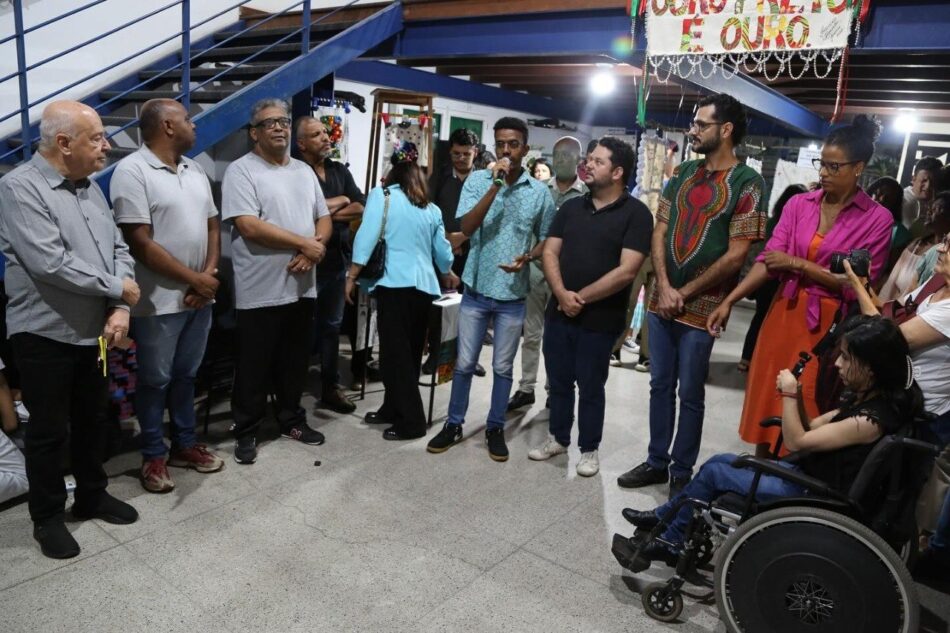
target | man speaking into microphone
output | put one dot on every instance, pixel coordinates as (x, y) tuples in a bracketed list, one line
[(503, 211)]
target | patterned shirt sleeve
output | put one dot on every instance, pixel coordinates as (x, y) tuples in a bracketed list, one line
[(666, 199), (748, 218), (547, 215), (472, 191)]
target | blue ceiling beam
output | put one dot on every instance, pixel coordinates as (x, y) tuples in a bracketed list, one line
[(906, 26)]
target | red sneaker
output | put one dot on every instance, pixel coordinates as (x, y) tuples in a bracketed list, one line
[(155, 477), (197, 457)]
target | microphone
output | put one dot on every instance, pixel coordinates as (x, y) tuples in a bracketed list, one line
[(498, 175)]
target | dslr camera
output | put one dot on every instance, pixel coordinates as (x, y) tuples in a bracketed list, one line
[(859, 258)]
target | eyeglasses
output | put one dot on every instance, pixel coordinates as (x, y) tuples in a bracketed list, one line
[(702, 126), (831, 167), (510, 144), (271, 123), (461, 155)]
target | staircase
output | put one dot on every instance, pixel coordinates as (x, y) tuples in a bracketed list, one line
[(229, 72)]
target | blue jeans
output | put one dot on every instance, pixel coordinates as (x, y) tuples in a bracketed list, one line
[(329, 317), (717, 477), (679, 354), (169, 350), (474, 315), (573, 354)]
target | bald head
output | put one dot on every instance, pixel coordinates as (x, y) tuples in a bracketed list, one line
[(567, 154), (72, 139)]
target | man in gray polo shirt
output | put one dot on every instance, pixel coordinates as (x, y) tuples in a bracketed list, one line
[(163, 204), (69, 284), (280, 226)]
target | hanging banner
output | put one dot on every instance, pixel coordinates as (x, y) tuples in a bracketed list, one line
[(722, 27)]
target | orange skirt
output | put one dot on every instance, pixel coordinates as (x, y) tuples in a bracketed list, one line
[(783, 335)]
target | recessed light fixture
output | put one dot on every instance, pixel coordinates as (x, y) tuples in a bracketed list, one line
[(603, 83), (906, 120)]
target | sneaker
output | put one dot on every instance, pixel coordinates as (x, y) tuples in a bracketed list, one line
[(643, 475), (521, 399), (197, 457), (334, 399), (630, 345), (449, 436), (245, 451), (547, 450), (155, 477), (589, 464), (497, 449), (677, 484), (108, 509), (615, 359), (643, 365), (55, 540), (304, 434)]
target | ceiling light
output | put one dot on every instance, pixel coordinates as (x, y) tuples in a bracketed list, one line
[(813, 146), (602, 84), (906, 121)]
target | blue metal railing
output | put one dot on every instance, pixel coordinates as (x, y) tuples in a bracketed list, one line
[(187, 28)]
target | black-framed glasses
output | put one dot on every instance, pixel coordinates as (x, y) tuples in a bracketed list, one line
[(499, 145), (272, 122), (702, 126), (831, 167)]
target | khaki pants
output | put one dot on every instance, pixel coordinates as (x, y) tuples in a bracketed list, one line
[(644, 279), (535, 304)]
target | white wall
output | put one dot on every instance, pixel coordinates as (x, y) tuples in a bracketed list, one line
[(90, 23), (360, 125)]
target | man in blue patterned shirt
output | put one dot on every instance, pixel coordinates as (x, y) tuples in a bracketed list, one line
[(503, 211)]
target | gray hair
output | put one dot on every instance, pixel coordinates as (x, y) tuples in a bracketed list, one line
[(572, 140), (304, 120), (55, 121), (263, 104)]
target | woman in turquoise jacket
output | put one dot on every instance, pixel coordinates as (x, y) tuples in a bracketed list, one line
[(415, 238)]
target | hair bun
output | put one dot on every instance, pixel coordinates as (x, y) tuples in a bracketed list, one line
[(869, 126)]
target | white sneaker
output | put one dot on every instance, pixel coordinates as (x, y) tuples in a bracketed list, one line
[(547, 450), (589, 464), (631, 346)]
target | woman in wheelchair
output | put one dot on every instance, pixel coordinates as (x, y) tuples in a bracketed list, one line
[(881, 395)]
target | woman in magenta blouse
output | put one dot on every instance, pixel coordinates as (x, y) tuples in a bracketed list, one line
[(838, 216)]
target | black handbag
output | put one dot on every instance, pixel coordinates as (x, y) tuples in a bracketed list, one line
[(376, 264)]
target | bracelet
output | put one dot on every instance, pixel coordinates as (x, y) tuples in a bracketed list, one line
[(788, 394)]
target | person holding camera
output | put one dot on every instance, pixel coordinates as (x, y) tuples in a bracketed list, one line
[(835, 219)]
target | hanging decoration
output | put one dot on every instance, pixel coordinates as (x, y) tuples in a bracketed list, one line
[(334, 114), (765, 37)]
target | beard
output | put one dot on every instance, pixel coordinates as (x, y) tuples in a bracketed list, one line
[(708, 147)]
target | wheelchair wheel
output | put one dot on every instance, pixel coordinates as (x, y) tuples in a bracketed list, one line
[(662, 602), (800, 569)]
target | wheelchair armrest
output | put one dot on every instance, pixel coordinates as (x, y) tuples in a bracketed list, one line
[(770, 422), (772, 468), (918, 445)]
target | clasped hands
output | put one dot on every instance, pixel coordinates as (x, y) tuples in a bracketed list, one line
[(311, 252)]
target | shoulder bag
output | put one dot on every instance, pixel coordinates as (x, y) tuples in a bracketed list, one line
[(376, 264)]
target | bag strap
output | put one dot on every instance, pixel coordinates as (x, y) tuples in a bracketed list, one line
[(382, 228), (935, 283)]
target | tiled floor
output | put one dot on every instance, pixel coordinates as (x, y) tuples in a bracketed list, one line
[(379, 536)]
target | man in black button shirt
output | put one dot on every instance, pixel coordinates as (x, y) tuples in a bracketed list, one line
[(445, 188), (345, 201), (594, 250)]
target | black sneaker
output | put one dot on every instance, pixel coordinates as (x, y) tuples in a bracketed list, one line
[(497, 449), (108, 509), (449, 436), (521, 399), (54, 539), (479, 370), (677, 484), (245, 451), (303, 433), (643, 475)]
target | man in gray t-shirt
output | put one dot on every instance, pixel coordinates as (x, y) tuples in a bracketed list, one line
[(279, 225), (163, 204)]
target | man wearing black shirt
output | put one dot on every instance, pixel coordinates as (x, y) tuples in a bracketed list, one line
[(594, 250), (445, 189), (345, 201)]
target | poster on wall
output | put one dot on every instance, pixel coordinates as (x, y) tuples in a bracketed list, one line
[(788, 173)]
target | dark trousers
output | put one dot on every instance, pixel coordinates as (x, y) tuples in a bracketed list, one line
[(763, 301), (272, 357), (572, 355), (329, 317), (402, 319), (67, 396)]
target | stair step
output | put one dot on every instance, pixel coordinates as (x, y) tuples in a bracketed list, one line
[(282, 52), (245, 71), (115, 121), (325, 31), (201, 96)]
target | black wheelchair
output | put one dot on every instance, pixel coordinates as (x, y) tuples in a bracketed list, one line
[(826, 561)]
